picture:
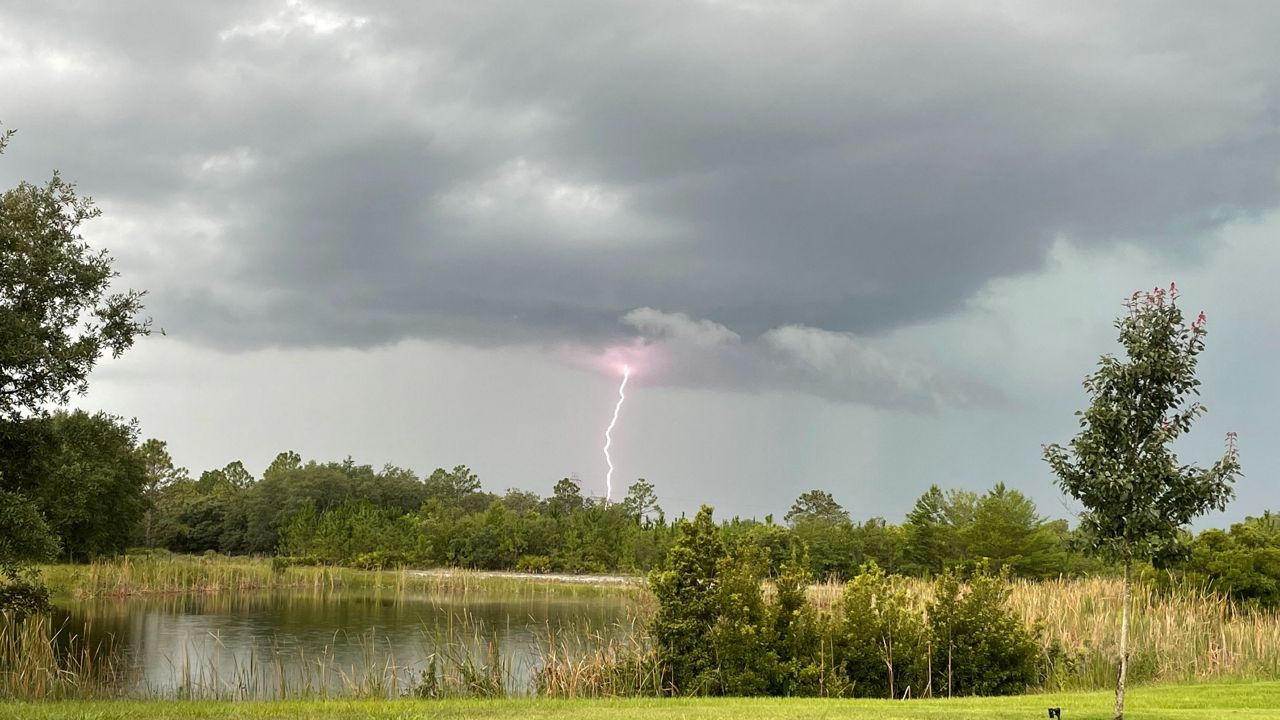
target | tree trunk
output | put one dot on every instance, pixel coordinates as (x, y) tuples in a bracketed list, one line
[(928, 688), (1124, 644), (888, 661)]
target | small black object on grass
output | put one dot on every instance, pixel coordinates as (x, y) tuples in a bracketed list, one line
[(1055, 713)]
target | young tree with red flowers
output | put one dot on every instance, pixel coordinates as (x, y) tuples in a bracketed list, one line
[(1121, 466)]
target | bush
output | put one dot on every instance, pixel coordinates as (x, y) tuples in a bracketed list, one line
[(979, 646), (536, 564), (23, 596), (1244, 562), (883, 638), (802, 639), (687, 592), (379, 559), (740, 636), (280, 563), (148, 552)]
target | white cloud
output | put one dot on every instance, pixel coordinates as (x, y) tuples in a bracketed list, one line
[(524, 183), (847, 359), (225, 165), (834, 366), (680, 327), (296, 15)]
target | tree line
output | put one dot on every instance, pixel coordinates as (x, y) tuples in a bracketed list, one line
[(99, 491)]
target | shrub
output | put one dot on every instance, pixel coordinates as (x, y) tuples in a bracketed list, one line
[(379, 559), (687, 593), (883, 639), (741, 634), (280, 563), (979, 646), (537, 564), (1244, 562), (23, 596), (802, 639)]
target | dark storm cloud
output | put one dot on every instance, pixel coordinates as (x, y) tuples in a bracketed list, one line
[(535, 171)]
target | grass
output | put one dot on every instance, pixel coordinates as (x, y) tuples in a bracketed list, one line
[(155, 574), (1192, 635), (45, 660), (1171, 702)]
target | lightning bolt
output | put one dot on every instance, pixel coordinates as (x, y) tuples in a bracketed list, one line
[(608, 437)]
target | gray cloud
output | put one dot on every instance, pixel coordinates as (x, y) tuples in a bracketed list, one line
[(811, 177), (678, 350)]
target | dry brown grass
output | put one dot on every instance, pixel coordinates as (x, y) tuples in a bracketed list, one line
[(1184, 635)]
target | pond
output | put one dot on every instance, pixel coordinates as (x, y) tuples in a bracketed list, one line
[(272, 644)]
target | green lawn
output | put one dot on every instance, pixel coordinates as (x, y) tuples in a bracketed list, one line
[(1235, 700)]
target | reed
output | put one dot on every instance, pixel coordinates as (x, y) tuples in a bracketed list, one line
[(39, 661), (461, 658), (152, 574), (1187, 634), (587, 663)]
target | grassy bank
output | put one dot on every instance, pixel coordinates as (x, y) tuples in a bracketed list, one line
[(1177, 702), (173, 574), (1191, 635)]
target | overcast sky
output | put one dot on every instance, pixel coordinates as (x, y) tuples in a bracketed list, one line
[(851, 246)]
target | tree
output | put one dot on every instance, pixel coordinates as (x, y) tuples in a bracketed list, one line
[(878, 541), (159, 473), (25, 537), (816, 505), (829, 545), (453, 487), (522, 502), (566, 497), (687, 591), (269, 503), (935, 526), (1244, 562), (84, 474), (57, 314), (1007, 531), (287, 461), (641, 501), (981, 647), (1137, 498), (57, 318), (802, 637), (746, 661), (392, 487), (236, 475), (882, 636)]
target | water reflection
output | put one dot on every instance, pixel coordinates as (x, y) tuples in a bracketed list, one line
[(286, 643)]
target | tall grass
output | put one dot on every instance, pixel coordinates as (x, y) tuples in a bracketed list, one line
[(590, 664), (151, 574), (214, 574), (462, 658), (1186, 634), (41, 662), (1190, 633)]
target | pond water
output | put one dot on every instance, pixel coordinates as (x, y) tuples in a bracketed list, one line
[(319, 643)]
